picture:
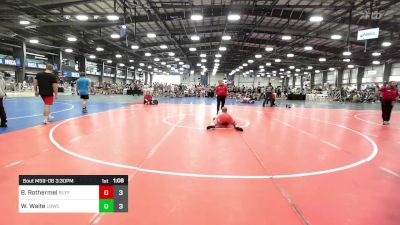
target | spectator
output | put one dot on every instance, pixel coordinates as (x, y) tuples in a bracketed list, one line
[(3, 115)]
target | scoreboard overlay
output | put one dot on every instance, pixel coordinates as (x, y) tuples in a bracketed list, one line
[(73, 193)]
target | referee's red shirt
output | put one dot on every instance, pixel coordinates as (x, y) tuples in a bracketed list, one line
[(389, 94), (221, 90)]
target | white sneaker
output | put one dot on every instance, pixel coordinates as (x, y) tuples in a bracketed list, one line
[(51, 117), (45, 122)]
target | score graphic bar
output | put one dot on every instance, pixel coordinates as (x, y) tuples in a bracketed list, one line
[(73, 193)]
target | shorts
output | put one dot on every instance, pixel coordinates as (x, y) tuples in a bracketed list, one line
[(48, 100), (84, 96)]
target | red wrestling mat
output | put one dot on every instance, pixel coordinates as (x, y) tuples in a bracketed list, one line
[(289, 166)]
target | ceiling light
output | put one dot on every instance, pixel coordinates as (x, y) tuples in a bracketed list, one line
[(376, 62), (331, 69), (316, 18), (245, 64), (286, 37), (109, 61), (233, 17), (147, 54), (121, 64), (24, 22), (192, 49), (99, 49), (203, 55), (308, 48), (131, 60), (291, 67), (163, 46), (151, 35), (297, 70), (141, 64), (177, 59), (171, 53), (157, 59), (309, 67), (92, 56), (322, 59), (218, 55), (194, 38), (290, 55), (258, 56), (198, 64), (222, 48), (82, 17), (376, 54), (112, 17), (317, 71), (163, 63), (134, 46), (216, 60), (33, 41), (346, 60), (71, 39), (336, 37), (268, 64), (278, 60), (386, 44), (68, 50), (204, 60), (115, 36), (149, 67), (140, 69), (240, 67), (347, 53), (180, 63), (269, 49), (196, 17), (118, 56), (281, 69), (261, 67), (350, 66), (250, 61), (226, 37)]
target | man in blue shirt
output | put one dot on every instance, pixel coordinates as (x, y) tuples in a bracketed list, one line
[(82, 88)]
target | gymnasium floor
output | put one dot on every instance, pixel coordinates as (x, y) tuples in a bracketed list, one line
[(316, 163)]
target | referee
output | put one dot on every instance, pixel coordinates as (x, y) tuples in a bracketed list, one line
[(221, 91)]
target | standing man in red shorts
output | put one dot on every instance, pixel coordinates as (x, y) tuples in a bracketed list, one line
[(45, 85), (221, 91), (224, 120)]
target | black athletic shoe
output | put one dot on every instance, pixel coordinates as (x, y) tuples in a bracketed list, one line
[(238, 128), (210, 127), (3, 125)]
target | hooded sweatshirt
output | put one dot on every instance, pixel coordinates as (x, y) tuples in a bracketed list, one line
[(2, 86)]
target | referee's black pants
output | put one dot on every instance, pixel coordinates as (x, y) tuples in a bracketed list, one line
[(386, 109), (220, 102)]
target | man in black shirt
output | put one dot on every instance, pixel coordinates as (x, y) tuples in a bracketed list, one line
[(268, 94), (45, 85)]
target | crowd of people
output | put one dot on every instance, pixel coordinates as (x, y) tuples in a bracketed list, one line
[(46, 86)]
